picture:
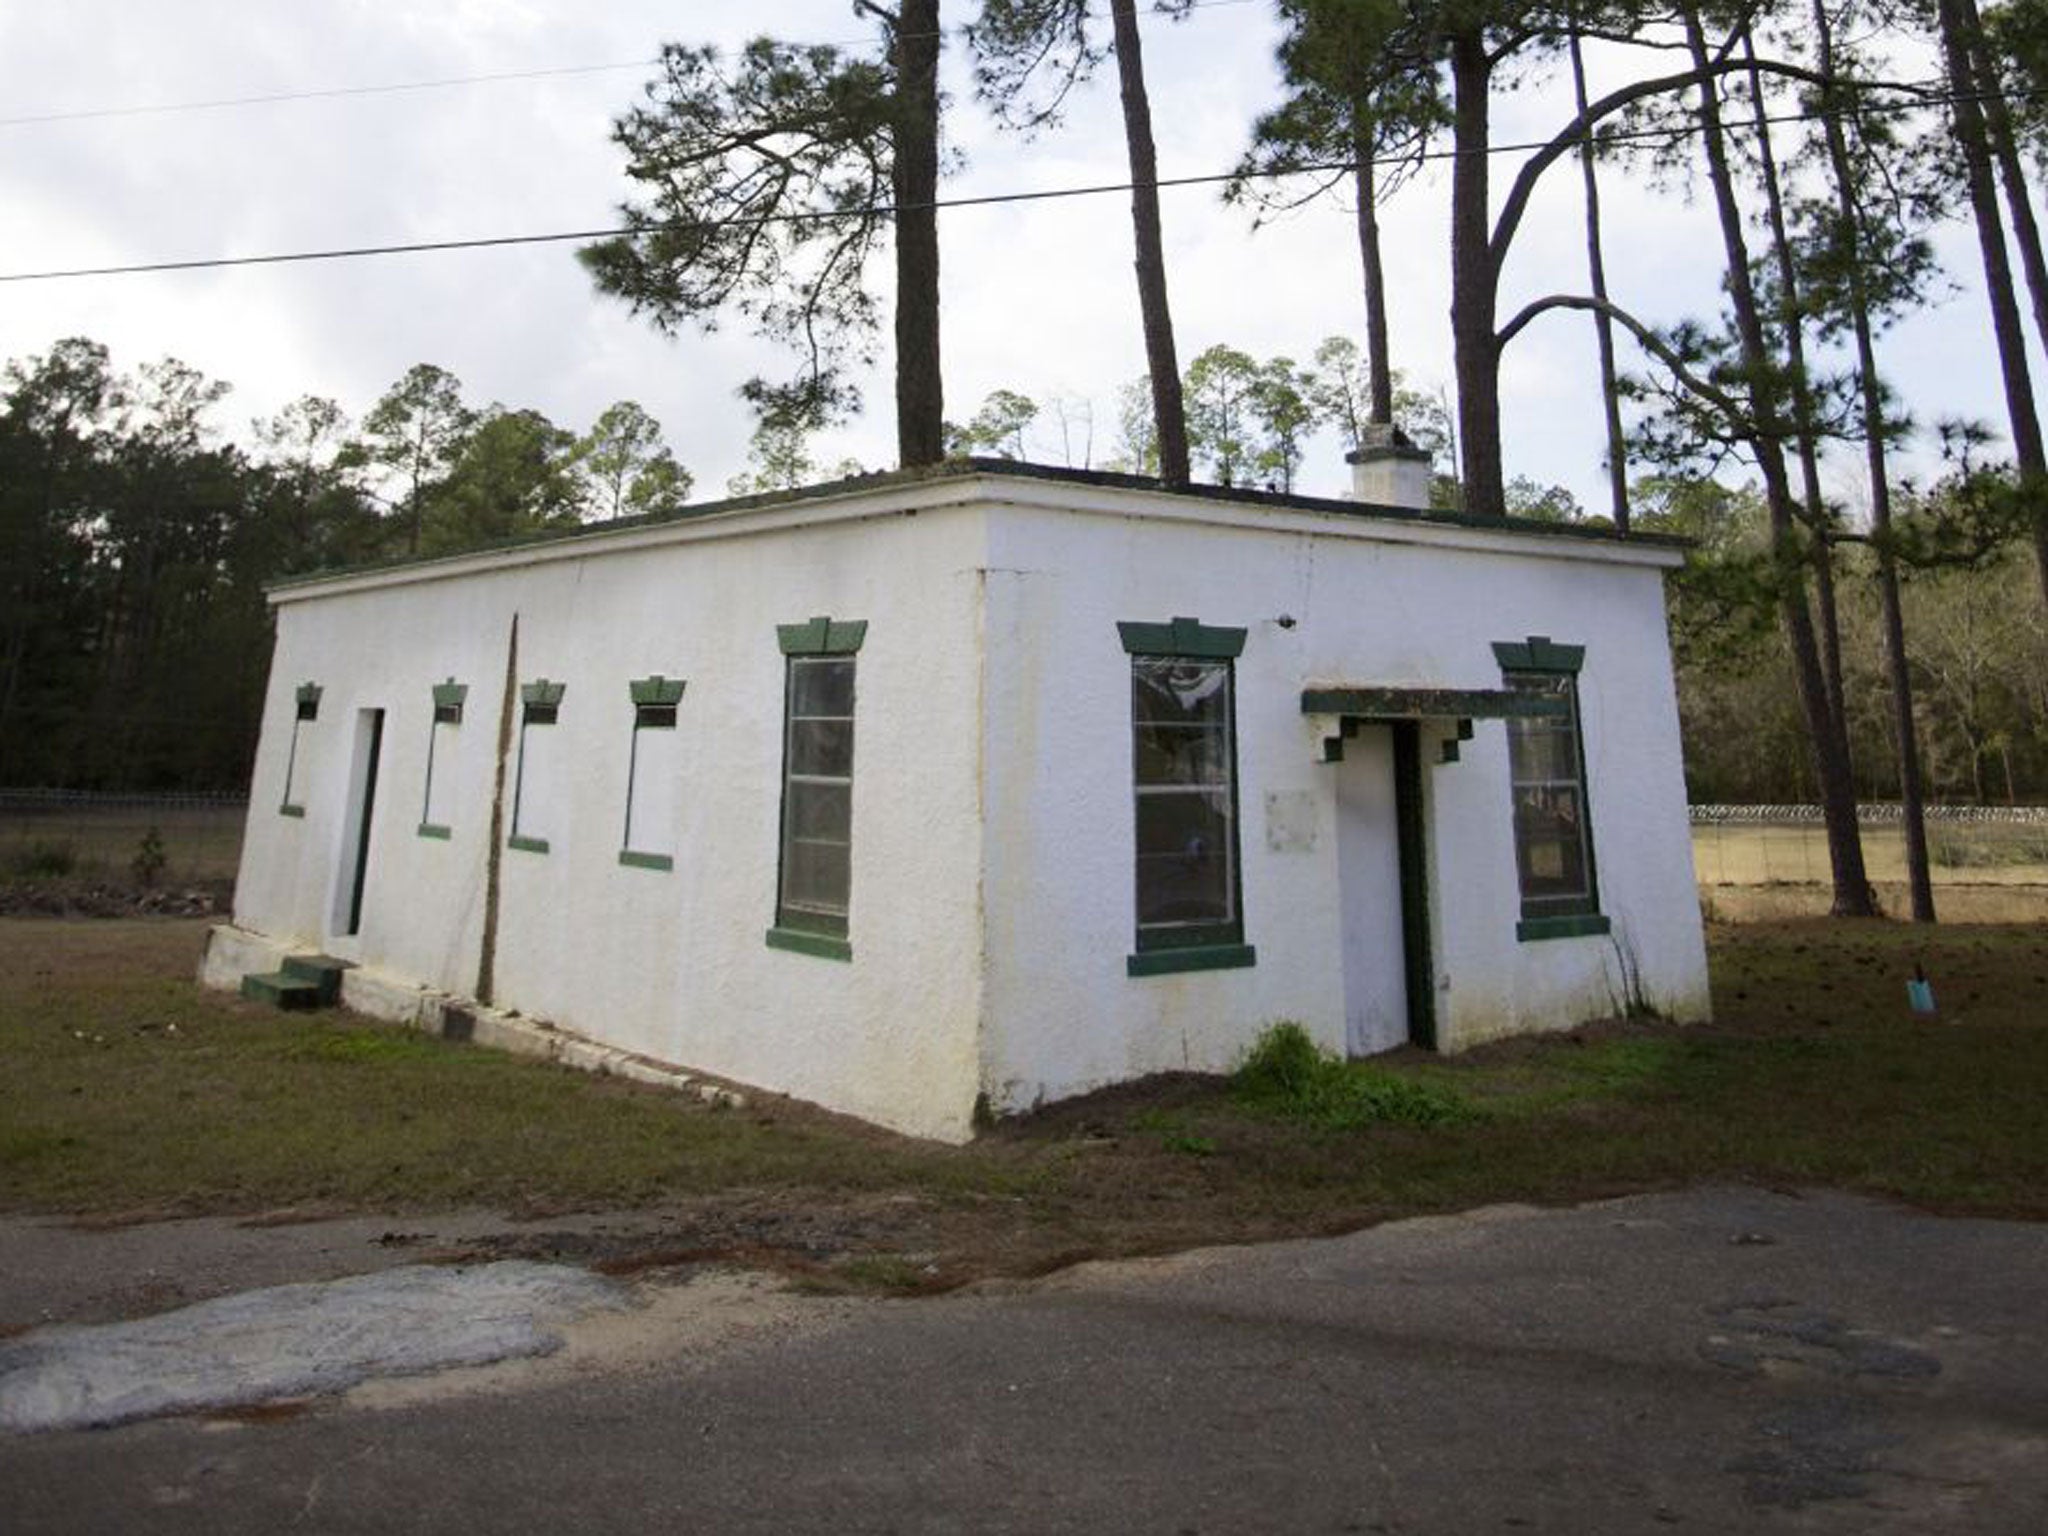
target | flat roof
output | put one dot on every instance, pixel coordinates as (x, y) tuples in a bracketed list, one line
[(963, 469)]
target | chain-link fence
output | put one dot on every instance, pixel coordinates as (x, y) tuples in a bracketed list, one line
[(49, 834), (1743, 845)]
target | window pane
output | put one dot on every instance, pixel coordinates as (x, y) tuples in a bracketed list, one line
[(1550, 842), (821, 685), (1169, 691), (1542, 750), (821, 747), (1182, 754), (815, 876), (820, 812), (1184, 857)]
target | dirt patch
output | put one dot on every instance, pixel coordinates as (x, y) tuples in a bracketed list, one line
[(1954, 902), (96, 898)]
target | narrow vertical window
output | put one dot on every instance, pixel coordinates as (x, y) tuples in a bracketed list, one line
[(436, 812), (1553, 830), (651, 775), (305, 710), (534, 788), (814, 884), (1187, 883)]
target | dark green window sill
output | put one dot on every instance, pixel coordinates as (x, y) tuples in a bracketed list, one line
[(1199, 957), (634, 860), (527, 844), (1579, 926), (823, 945), (439, 834), (291, 810)]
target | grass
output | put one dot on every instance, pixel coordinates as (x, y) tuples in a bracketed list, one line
[(125, 1090)]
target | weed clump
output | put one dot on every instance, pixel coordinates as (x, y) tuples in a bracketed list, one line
[(1286, 1074)]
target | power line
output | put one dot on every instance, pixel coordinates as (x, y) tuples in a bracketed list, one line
[(986, 200), (401, 87)]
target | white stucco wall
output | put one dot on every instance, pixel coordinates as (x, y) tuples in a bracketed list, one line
[(672, 964), (1371, 603), (992, 908)]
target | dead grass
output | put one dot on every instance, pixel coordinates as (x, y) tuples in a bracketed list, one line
[(128, 1091)]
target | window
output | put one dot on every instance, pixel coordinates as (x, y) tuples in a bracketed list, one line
[(1547, 779), (814, 884), (651, 775), (534, 790), (449, 697), (1184, 793), (305, 710)]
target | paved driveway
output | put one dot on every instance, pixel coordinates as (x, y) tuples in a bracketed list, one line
[(1720, 1360)]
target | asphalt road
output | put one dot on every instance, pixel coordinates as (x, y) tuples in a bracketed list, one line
[(1713, 1361)]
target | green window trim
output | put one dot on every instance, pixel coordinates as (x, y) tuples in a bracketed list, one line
[(1577, 914), (821, 636), (1539, 653), (654, 709), (812, 898), (448, 701), (656, 690), (1217, 935), (1182, 637), (288, 809), (527, 844), (1573, 926), (824, 946), (541, 691), (306, 701), (1193, 957), (438, 833)]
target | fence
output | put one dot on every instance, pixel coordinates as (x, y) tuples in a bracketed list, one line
[(180, 839), (1745, 845), (55, 833)]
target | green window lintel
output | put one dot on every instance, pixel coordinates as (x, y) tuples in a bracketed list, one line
[(1539, 653), (1200, 957), (541, 691), (823, 945), (656, 690), (1182, 637), (820, 636), (450, 692)]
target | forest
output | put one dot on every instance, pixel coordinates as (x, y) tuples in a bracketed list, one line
[(1843, 633)]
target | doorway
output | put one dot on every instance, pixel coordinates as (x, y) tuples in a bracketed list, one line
[(1382, 873), (357, 825)]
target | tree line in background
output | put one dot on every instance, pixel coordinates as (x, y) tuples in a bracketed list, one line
[(1829, 137), (136, 540)]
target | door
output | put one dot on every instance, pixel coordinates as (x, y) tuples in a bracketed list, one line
[(353, 866), (1382, 883)]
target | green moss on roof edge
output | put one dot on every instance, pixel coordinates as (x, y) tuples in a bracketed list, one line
[(968, 468)]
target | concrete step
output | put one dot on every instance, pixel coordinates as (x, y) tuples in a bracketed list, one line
[(324, 971), (282, 991)]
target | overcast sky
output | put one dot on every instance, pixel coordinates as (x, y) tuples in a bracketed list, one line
[(1038, 297)]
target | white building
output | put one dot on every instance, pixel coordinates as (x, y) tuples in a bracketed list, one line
[(984, 786)]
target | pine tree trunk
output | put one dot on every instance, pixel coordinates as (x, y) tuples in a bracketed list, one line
[(1827, 739), (1474, 283), (1807, 436), (920, 393), (1603, 323), (1958, 20), (1898, 674), (1379, 367), (1168, 411)]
